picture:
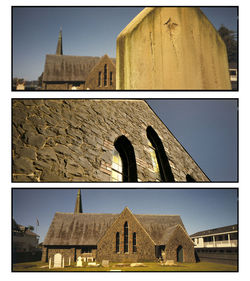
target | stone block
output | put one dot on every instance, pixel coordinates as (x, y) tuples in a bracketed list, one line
[(171, 48)]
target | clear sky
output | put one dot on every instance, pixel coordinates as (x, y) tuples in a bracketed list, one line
[(88, 31), (200, 209), (207, 129)]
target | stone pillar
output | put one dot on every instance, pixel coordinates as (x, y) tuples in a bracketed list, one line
[(50, 265)]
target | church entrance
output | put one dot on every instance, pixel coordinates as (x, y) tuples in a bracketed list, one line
[(180, 254)]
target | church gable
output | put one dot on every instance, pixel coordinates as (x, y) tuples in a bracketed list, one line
[(126, 240), (180, 246), (102, 76)]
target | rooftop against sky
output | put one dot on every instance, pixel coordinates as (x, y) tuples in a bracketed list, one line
[(87, 31), (199, 208)]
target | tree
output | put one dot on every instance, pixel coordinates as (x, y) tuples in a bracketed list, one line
[(228, 37)]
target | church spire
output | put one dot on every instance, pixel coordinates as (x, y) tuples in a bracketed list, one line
[(59, 49), (78, 206)]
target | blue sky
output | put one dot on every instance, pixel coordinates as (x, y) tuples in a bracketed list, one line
[(88, 31), (200, 209), (207, 129)]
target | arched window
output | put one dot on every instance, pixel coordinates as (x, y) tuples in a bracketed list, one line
[(154, 161), (162, 159), (126, 237), (116, 168), (127, 154), (99, 78), (134, 242), (111, 78), (117, 242), (190, 178), (105, 75)]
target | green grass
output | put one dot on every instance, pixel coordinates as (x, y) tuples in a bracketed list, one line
[(149, 266)]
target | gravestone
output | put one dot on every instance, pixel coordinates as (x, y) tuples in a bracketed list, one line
[(163, 254), (58, 260), (171, 48), (79, 261), (105, 263), (170, 262)]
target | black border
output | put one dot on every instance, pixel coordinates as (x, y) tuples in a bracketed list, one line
[(154, 90), (16, 271)]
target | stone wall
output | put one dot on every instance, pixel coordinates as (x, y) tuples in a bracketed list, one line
[(92, 80), (180, 238), (69, 253), (144, 244), (172, 48), (73, 140)]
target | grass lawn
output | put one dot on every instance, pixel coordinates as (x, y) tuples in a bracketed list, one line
[(149, 266)]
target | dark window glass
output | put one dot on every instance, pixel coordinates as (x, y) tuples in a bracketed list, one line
[(126, 237), (117, 242), (127, 154), (105, 75), (162, 159), (134, 242)]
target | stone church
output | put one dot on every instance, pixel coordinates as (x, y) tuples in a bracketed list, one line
[(124, 237), (91, 140), (63, 72)]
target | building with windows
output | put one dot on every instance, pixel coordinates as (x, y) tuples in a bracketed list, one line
[(124, 237), (63, 72), (79, 140), (24, 240), (218, 244)]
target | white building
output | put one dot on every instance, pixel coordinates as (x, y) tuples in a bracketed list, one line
[(222, 237)]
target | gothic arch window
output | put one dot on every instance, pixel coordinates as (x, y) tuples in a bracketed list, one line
[(111, 78), (127, 155), (116, 168), (105, 75), (134, 242), (190, 178), (126, 237), (117, 242), (99, 78), (166, 174)]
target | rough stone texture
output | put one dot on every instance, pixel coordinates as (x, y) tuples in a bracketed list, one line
[(171, 48), (78, 73), (72, 140), (94, 235), (145, 245), (180, 238)]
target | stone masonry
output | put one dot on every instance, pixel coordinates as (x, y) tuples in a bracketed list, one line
[(73, 140), (144, 244)]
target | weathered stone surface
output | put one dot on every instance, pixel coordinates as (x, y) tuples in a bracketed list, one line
[(23, 165), (33, 139), (67, 153), (171, 48)]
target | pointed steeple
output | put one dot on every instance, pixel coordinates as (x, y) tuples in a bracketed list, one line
[(78, 206), (59, 49)]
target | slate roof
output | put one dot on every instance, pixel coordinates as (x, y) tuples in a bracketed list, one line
[(64, 68), (87, 229), (216, 230), (160, 227)]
